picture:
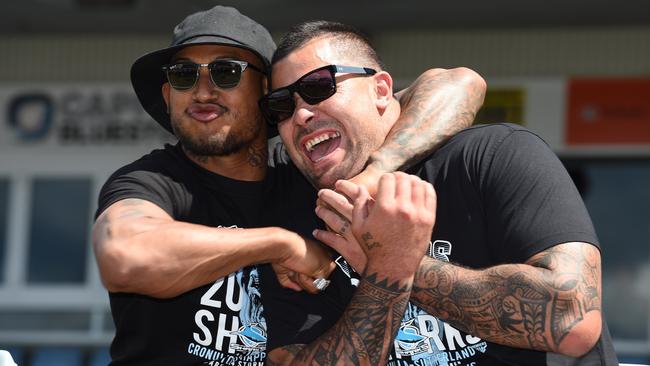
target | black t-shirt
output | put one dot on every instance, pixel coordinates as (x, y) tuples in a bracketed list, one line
[(503, 196), (217, 324), (312, 315)]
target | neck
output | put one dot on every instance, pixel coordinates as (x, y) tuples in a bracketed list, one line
[(248, 164), (392, 112), (388, 117)]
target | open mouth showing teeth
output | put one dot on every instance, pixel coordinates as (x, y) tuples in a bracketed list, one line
[(321, 145)]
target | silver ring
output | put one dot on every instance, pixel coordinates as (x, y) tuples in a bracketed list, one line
[(321, 284)]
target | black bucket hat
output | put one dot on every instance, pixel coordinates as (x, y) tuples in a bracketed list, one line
[(220, 25)]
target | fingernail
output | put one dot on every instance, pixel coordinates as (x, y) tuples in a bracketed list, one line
[(315, 232)]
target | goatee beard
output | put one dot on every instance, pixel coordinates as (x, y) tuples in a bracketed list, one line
[(212, 146)]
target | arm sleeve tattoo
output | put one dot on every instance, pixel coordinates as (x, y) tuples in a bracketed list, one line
[(533, 305), (434, 108), (364, 334)]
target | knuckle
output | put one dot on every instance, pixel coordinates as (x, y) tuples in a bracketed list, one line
[(404, 212)]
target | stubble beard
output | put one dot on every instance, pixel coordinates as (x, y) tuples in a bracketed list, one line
[(218, 143), (348, 168)]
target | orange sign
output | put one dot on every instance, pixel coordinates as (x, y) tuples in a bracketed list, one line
[(608, 112)]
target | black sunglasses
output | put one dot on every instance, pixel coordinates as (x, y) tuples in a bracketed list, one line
[(225, 74), (313, 87)]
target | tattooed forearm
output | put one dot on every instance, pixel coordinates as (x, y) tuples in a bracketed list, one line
[(434, 108), (364, 334), (533, 305)]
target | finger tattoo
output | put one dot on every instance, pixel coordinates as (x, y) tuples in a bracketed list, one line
[(345, 227)]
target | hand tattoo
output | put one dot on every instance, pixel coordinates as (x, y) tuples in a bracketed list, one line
[(367, 237)]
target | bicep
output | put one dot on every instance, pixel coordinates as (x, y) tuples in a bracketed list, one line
[(135, 208), (575, 284), (125, 218), (566, 257), (574, 266)]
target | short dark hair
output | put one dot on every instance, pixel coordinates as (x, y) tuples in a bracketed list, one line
[(346, 36)]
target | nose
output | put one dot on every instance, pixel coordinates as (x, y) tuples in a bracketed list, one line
[(304, 112), (204, 88)]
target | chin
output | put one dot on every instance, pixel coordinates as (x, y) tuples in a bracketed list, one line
[(318, 181), (326, 183), (328, 180)]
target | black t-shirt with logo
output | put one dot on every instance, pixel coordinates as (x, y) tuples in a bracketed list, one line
[(503, 196), (220, 323)]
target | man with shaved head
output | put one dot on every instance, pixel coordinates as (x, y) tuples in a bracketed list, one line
[(512, 272)]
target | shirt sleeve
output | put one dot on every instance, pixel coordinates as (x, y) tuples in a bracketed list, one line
[(135, 181), (530, 200)]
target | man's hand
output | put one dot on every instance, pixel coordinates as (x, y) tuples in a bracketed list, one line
[(404, 213), (335, 209), (394, 231), (305, 261)]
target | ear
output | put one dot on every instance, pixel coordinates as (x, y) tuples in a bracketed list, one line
[(165, 94), (383, 89)]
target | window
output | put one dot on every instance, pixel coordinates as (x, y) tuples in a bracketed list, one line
[(58, 230), (44, 320), (4, 204)]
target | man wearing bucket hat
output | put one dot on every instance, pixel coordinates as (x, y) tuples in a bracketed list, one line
[(178, 232)]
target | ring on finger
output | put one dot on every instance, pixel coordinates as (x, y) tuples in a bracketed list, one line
[(321, 284)]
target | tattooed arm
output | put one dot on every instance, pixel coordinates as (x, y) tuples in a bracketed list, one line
[(141, 249), (550, 303), (435, 107), (364, 334), (403, 213)]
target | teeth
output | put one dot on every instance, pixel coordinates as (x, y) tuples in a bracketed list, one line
[(309, 145)]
